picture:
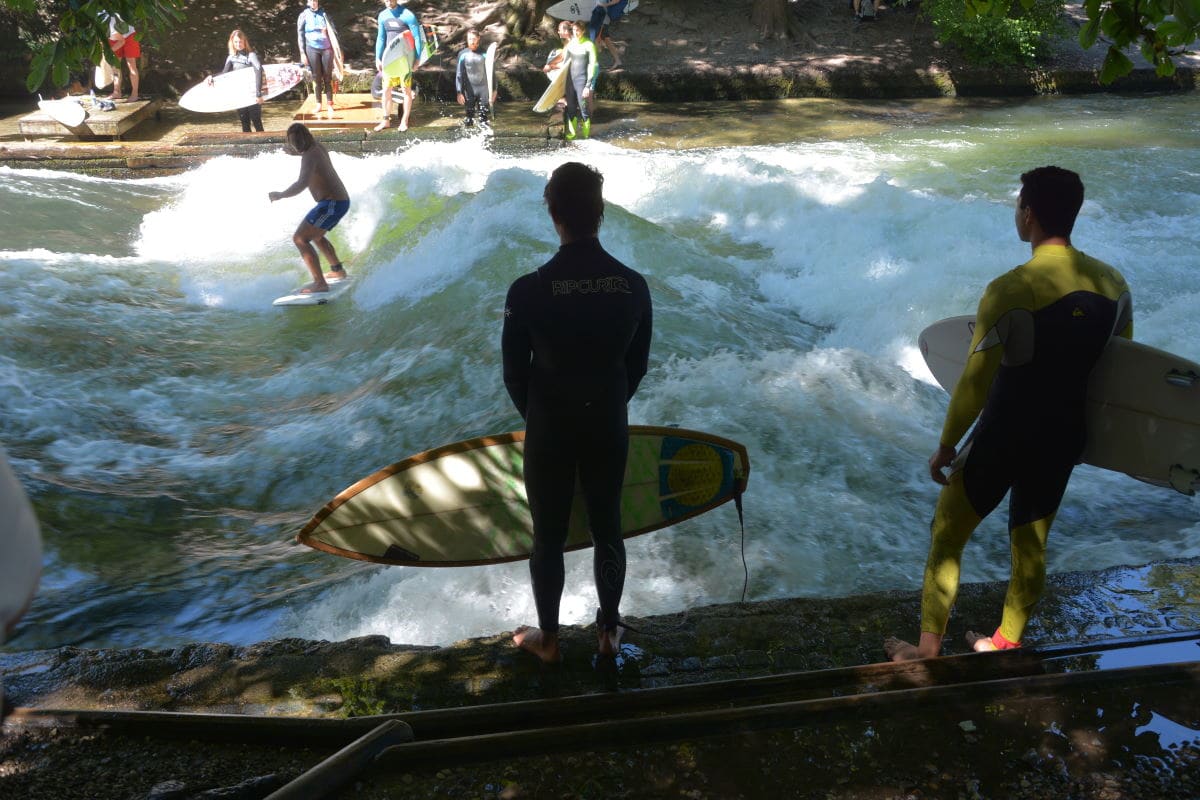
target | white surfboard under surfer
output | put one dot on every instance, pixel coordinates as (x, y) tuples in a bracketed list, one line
[(319, 177)]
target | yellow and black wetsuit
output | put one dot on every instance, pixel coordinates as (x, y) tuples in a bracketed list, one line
[(1039, 331)]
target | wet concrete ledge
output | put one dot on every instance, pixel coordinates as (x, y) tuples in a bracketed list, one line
[(176, 152), (371, 675), (784, 81), (789, 80)]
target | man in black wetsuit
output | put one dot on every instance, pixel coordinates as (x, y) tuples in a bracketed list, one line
[(576, 343)]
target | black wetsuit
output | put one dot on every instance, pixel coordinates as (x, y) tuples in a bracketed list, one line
[(576, 344), (250, 115)]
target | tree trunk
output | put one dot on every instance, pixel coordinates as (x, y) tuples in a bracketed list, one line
[(771, 17), (522, 17)]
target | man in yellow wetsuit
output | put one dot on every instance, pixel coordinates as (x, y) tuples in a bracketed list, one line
[(1039, 330)]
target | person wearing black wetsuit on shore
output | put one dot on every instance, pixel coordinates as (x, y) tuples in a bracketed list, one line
[(471, 83), (242, 56), (576, 344)]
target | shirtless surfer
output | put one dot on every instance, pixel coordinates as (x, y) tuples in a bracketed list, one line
[(318, 176)]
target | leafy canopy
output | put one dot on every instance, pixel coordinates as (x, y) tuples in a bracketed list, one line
[(73, 32), (1160, 29)]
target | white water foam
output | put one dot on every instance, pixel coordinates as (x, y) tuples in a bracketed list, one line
[(790, 283)]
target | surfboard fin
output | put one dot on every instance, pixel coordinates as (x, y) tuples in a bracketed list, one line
[(1184, 480)]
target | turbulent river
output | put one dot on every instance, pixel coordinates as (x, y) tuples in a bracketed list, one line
[(174, 430)]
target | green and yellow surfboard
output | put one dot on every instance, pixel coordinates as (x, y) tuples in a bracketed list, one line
[(464, 504)]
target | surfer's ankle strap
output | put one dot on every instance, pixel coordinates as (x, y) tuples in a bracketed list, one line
[(1001, 643), (619, 624)]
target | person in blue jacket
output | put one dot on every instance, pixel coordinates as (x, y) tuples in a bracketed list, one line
[(395, 20), (605, 13), (315, 35)]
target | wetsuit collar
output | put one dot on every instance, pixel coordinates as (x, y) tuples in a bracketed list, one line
[(590, 243), (1052, 248)]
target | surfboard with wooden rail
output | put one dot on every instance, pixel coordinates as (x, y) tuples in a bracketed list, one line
[(465, 503)]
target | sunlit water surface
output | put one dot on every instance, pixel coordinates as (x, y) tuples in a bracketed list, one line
[(175, 430)]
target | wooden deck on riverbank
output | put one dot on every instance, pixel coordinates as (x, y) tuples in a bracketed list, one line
[(111, 124)]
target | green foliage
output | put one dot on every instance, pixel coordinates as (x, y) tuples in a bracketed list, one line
[(361, 697), (68, 34), (1159, 28), (997, 33)]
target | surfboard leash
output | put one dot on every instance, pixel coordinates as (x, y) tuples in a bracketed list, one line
[(737, 502)]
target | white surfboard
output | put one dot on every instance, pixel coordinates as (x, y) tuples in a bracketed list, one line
[(489, 66), (339, 61), (104, 75), (1143, 404), (377, 91), (465, 503), (20, 549), (554, 92), (65, 112), (398, 58), (230, 91), (337, 287), (580, 9)]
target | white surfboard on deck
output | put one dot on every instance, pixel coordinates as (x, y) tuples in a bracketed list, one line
[(64, 112), (232, 90), (579, 9), (337, 287), (1143, 404)]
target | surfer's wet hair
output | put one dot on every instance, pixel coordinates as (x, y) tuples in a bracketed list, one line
[(1055, 195), (245, 41), (299, 137), (575, 196)]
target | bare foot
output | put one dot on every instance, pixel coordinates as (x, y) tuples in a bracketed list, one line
[(335, 274), (313, 288), (900, 650), (537, 641), (403, 126), (133, 98), (609, 642), (980, 642), (382, 125)]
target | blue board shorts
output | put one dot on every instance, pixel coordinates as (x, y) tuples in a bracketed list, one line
[(327, 214)]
